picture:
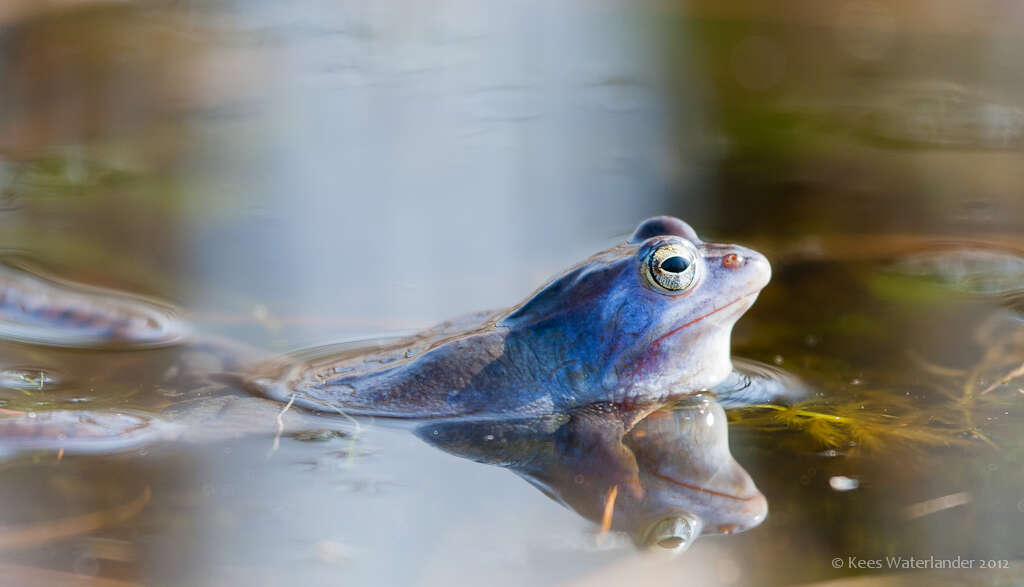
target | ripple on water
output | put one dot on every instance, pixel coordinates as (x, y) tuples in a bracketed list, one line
[(971, 269), (77, 431)]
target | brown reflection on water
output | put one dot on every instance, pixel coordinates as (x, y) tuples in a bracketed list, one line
[(664, 477)]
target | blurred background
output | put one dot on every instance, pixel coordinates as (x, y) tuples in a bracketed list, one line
[(297, 173), (281, 155)]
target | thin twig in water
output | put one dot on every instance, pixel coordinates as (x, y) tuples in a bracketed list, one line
[(280, 427), (931, 506), (967, 405), (355, 432), (1005, 379), (930, 367)]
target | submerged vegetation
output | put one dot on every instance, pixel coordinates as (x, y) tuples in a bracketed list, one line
[(919, 403), (850, 426), (941, 406)]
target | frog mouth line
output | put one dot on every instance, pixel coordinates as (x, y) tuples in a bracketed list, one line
[(700, 488), (657, 342)]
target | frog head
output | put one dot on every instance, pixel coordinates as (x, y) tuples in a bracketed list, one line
[(649, 318)]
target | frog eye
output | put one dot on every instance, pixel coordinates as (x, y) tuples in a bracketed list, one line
[(671, 267)]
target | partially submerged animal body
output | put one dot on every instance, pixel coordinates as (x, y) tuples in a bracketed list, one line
[(576, 389), (635, 326), (640, 323)]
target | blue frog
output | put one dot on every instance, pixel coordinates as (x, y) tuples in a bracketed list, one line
[(638, 324)]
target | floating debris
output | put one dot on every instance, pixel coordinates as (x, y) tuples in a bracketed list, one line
[(843, 483), (931, 506), (276, 444), (1018, 372), (28, 379)]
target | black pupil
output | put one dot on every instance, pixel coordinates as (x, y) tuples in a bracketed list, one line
[(675, 264)]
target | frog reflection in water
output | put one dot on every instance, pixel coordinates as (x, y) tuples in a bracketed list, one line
[(640, 323), (664, 479), (596, 353)]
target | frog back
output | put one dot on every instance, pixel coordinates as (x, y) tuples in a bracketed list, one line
[(434, 373)]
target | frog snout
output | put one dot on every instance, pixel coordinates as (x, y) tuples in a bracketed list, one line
[(751, 263)]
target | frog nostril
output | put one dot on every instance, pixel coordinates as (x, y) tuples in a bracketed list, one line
[(733, 261)]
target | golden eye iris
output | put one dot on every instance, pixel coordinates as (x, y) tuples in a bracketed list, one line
[(671, 267)]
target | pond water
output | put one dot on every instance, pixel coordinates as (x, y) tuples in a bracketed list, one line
[(281, 177)]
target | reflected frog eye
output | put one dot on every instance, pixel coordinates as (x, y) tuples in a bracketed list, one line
[(675, 534), (671, 267)]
